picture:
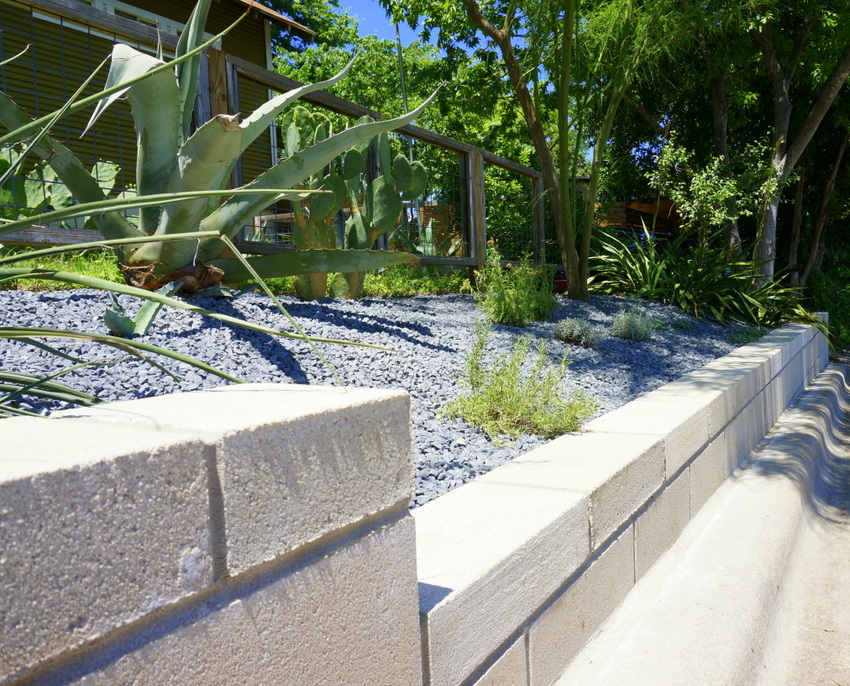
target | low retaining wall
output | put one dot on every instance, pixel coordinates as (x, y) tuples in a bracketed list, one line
[(260, 534)]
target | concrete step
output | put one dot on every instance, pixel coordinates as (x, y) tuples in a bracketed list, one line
[(757, 588)]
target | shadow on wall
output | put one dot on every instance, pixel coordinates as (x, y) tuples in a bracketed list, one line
[(814, 447)]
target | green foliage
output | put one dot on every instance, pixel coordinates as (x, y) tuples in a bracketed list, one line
[(516, 295), (830, 292), (632, 325), (99, 263), (406, 280), (576, 331), (702, 279), (746, 334), (372, 207), (503, 401), (707, 196)]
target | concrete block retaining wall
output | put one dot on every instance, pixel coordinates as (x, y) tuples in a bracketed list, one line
[(260, 534)]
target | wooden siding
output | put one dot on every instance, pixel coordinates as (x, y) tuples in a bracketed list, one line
[(60, 59)]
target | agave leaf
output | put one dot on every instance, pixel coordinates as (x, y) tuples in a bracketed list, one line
[(203, 159), (32, 126), (236, 212), (59, 249), (156, 106), (132, 347), (263, 117), (187, 72), (45, 387), (306, 261), (103, 284), (93, 208)]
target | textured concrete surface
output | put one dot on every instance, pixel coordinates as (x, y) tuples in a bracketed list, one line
[(349, 618), (755, 590), (617, 472), (511, 669), (99, 525), (280, 488), (558, 634)]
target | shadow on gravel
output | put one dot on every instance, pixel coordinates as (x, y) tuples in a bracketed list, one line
[(812, 448), (270, 348)]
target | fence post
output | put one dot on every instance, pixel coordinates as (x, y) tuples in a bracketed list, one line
[(477, 208), (218, 81)]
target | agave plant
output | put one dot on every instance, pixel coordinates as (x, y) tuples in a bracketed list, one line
[(176, 164)]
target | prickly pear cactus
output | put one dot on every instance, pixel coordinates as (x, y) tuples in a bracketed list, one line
[(373, 208), (383, 202)]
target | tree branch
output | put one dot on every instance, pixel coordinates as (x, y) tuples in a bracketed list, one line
[(829, 91)]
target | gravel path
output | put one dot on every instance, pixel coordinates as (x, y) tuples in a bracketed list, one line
[(429, 335)]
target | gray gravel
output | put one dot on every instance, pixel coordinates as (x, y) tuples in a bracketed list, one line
[(430, 336)]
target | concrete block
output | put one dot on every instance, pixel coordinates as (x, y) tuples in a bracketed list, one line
[(348, 618), (487, 541), (708, 471), (99, 525), (511, 669), (660, 524), (563, 628), (682, 422), (616, 472), (294, 462)]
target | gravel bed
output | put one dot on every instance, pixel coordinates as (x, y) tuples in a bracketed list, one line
[(429, 335)]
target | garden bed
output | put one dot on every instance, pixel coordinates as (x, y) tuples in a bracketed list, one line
[(429, 337)]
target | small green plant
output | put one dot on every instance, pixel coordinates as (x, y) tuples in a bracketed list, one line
[(517, 295), (505, 402), (576, 331), (683, 324), (746, 334), (632, 325)]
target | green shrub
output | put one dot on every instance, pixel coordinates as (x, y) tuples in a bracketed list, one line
[(632, 325), (503, 401), (699, 277), (517, 295), (576, 331)]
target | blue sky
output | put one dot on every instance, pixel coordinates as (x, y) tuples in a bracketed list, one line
[(373, 20)]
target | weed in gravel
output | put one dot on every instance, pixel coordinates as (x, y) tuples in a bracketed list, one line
[(576, 331), (632, 325), (517, 295), (683, 324), (504, 402)]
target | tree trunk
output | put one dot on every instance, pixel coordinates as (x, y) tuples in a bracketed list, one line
[(796, 227), (551, 181), (720, 128), (823, 210), (787, 152)]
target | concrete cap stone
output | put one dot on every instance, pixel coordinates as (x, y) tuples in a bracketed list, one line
[(87, 506), (681, 422), (294, 462), (617, 472), (489, 540)]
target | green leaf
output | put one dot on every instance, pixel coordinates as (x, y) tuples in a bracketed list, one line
[(187, 72)]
